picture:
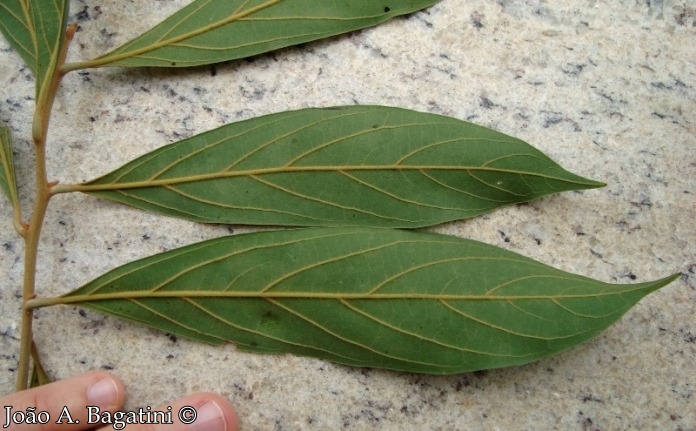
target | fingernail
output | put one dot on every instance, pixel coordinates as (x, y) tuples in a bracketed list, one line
[(209, 418), (103, 393)]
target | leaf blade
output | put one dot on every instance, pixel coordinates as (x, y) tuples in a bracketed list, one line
[(8, 183), (39, 376), (353, 165), (213, 31), (384, 298), (36, 30)]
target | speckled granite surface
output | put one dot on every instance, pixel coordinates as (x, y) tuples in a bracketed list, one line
[(608, 89)]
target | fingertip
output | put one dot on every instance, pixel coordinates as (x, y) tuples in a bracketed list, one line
[(105, 390), (215, 413), (228, 412)]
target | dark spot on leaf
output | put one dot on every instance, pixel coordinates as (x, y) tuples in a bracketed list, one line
[(173, 63), (387, 9), (269, 318)]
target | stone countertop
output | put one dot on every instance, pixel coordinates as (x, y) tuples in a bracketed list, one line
[(607, 89)]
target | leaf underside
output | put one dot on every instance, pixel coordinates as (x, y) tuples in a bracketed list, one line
[(386, 298), (7, 174), (213, 31), (358, 165), (36, 30)]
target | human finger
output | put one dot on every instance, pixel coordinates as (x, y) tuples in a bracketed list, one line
[(61, 406)]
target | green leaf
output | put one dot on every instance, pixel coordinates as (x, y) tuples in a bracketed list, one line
[(370, 297), (36, 30), (212, 31), (359, 165), (39, 376), (7, 174)]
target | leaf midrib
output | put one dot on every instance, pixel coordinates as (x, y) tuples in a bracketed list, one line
[(88, 188), (182, 294)]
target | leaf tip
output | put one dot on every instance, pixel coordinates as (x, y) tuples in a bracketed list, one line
[(592, 184), (669, 279), (659, 284)]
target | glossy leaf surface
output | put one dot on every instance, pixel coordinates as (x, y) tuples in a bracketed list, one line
[(36, 30), (7, 175), (358, 165), (212, 31), (385, 298)]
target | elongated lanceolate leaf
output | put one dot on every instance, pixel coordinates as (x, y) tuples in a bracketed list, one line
[(385, 298), (7, 175), (212, 31), (36, 29), (359, 165)]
